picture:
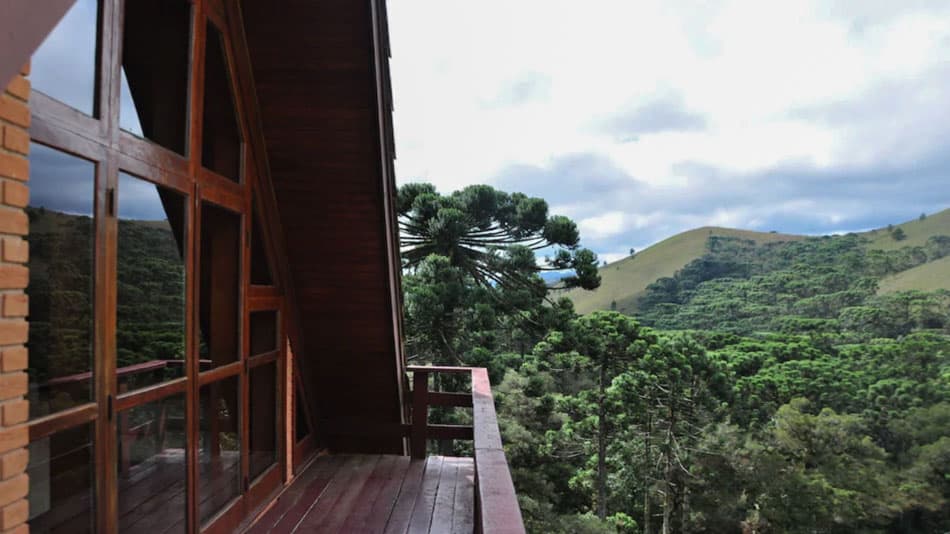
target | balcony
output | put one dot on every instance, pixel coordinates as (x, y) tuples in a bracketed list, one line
[(388, 493)]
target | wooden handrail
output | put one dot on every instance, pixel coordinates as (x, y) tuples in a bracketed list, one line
[(496, 505), (134, 369)]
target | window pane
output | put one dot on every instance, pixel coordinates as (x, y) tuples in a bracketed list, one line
[(263, 418), (155, 68), (302, 426), (219, 286), (263, 332), (62, 239), (260, 263), (62, 482), (221, 137), (219, 447), (64, 66), (150, 314), (151, 466)]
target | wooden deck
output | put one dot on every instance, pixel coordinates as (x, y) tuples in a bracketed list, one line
[(376, 494)]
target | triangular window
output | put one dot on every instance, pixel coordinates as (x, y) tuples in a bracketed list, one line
[(221, 136)]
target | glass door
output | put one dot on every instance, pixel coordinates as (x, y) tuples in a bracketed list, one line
[(151, 344)]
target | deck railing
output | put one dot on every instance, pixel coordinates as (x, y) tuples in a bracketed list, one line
[(496, 506)]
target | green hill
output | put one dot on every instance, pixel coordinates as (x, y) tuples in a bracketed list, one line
[(917, 232), (927, 277), (624, 281)]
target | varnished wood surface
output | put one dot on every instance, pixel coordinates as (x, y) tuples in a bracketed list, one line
[(376, 494), (316, 80)]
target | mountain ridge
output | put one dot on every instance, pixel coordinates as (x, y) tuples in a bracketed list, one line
[(624, 281)]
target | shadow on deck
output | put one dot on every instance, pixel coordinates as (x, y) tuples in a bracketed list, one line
[(376, 494)]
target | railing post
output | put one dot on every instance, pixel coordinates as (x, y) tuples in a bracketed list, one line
[(420, 413)]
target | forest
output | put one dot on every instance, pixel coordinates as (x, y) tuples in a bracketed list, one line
[(764, 388), (150, 311)]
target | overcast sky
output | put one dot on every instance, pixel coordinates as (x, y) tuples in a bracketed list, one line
[(641, 119)]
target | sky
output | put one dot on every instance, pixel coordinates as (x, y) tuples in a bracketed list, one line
[(641, 119), (63, 67)]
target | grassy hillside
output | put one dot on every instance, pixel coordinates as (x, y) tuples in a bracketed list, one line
[(623, 281), (927, 277), (917, 232)]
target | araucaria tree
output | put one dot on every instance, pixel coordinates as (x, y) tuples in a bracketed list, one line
[(493, 237)]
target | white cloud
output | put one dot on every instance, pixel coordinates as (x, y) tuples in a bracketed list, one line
[(484, 87), (601, 226)]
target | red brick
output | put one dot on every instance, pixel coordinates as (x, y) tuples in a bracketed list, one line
[(19, 87), (14, 166), (14, 438), (14, 489), (14, 514), (12, 385), (13, 277), (15, 412), (16, 250), (14, 111), (13, 359), (16, 139), (22, 529), (14, 221), (13, 463), (16, 305)]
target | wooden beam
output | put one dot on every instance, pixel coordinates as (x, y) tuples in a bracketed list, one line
[(441, 398), (420, 413)]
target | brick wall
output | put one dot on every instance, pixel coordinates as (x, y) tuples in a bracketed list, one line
[(14, 275)]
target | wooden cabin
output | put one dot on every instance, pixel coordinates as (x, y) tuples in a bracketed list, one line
[(200, 326)]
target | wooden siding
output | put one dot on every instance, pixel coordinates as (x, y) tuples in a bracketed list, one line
[(316, 71)]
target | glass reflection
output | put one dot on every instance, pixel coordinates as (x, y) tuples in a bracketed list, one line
[(155, 68), (263, 418), (219, 446), (62, 482), (260, 263), (263, 332), (64, 66), (62, 240), (151, 466), (219, 279), (221, 138), (150, 313)]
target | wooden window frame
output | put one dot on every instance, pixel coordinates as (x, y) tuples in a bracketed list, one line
[(113, 150)]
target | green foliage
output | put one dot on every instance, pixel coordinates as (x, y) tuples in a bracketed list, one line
[(492, 236), (764, 387)]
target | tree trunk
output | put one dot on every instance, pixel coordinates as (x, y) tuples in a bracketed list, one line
[(668, 503), (684, 508), (602, 446), (646, 472)]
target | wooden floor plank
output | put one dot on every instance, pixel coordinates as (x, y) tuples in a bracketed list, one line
[(425, 502), (373, 494), (398, 522), (463, 520), (385, 504), (337, 500), (314, 494), (443, 509), (294, 502), (366, 500)]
